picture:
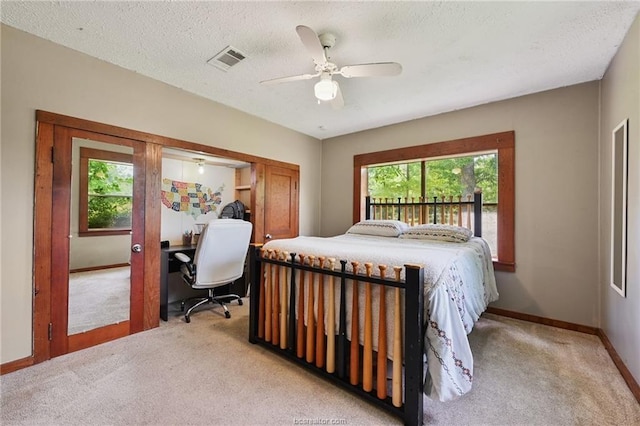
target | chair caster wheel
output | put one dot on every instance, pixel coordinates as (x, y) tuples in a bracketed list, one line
[(227, 314), (187, 319), (240, 302)]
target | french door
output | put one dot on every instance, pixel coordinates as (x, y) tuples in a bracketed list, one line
[(97, 273)]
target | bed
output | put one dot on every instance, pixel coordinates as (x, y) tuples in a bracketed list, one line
[(410, 294)]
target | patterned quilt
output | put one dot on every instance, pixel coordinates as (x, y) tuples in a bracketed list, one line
[(459, 284)]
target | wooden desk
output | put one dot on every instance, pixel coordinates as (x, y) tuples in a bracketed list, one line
[(168, 264)]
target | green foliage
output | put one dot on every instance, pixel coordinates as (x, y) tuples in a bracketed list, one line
[(110, 195), (447, 176)]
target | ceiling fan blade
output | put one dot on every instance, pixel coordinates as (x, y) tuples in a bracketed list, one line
[(381, 69), (311, 41), (288, 79), (338, 101)]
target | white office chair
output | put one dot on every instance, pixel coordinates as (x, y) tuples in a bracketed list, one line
[(219, 260)]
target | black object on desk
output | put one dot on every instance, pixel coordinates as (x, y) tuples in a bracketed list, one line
[(169, 264)]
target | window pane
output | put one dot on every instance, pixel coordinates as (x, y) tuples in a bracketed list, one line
[(395, 180), (110, 195)]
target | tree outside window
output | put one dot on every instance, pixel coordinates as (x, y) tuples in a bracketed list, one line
[(106, 192)]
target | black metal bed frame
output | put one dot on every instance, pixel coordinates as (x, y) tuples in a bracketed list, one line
[(411, 410), (436, 205)]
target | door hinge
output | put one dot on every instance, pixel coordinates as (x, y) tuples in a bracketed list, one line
[(52, 154), (50, 331)]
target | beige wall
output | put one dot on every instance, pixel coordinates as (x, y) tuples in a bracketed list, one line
[(37, 74), (620, 99), (556, 192)]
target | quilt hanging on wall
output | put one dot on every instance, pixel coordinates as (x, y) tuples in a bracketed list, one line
[(191, 198)]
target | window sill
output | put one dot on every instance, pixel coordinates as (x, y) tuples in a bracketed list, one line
[(104, 232), (504, 266)]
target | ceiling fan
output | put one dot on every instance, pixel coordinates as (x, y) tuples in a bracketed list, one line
[(327, 90)]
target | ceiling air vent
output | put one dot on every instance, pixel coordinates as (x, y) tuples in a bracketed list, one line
[(228, 57)]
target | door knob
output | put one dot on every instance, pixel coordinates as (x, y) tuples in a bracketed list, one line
[(267, 237), (136, 248)]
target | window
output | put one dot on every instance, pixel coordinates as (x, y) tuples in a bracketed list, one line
[(449, 167), (106, 192), (450, 177)]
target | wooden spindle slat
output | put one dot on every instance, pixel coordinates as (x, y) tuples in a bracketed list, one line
[(459, 210), (331, 321), (367, 356), (442, 215), (406, 210), (300, 328), (283, 302), (381, 374), (310, 314), (275, 309), (396, 377), (450, 209), (320, 336), (354, 356), (268, 301)]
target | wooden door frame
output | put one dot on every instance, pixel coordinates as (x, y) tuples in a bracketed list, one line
[(46, 123)]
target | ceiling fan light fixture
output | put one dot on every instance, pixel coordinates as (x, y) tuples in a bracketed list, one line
[(326, 89)]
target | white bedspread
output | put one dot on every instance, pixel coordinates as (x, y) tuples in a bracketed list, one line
[(459, 284)]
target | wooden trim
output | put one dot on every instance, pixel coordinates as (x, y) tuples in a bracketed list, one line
[(18, 364), (95, 233), (503, 142), (544, 321), (624, 371), (258, 176), (42, 221), (97, 336), (97, 268), (99, 154), (152, 221), (138, 227), (438, 149), (106, 129), (60, 230)]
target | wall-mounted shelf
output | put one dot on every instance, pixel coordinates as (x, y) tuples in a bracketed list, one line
[(243, 186)]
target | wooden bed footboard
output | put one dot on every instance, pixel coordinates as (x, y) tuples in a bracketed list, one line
[(299, 308)]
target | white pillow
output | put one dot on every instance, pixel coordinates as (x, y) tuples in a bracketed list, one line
[(380, 228), (451, 233)]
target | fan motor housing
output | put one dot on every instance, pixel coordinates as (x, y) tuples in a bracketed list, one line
[(327, 40)]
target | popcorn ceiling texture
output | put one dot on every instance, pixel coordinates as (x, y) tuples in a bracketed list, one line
[(454, 54)]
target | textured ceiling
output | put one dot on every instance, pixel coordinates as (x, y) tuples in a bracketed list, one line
[(454, 54)]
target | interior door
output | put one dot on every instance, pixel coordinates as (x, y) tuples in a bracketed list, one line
[(107, 301), (280, 202)]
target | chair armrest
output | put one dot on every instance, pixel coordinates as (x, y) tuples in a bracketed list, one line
[(182, 257)]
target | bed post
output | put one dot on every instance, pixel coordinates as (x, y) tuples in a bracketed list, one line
[(477, 213), (414, 345), (367, 208), (254, 296)]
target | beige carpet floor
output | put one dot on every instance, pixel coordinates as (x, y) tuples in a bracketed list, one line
[(206, 373), (98, 298)]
